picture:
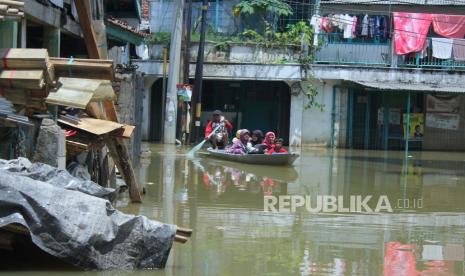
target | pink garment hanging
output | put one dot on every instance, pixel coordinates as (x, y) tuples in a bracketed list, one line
[(410, 30), (450, 26)]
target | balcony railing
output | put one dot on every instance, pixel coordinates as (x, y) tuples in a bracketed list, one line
[(334, 49), (426, 60)]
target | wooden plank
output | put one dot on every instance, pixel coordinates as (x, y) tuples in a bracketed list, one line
[(18, 4), (87, 29), (33, 79), (19, 58), (80, 68), (94, 126), (119, 153)]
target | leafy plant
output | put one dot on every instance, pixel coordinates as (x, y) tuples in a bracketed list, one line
[(266, 10), (163, 38), (311, 92)]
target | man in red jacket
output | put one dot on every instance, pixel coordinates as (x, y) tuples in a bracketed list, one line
[(221, 126)]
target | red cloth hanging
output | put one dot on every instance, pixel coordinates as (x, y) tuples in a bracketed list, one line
[(450, 26), (410, 30)]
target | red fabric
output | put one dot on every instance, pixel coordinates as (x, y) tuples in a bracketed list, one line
[(410, 30), (267, 140), (209, 128), (273, 150), (450, 26), (399, 259)]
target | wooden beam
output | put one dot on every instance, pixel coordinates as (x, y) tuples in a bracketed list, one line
[(120, 154), (87, 29), (17, 4)]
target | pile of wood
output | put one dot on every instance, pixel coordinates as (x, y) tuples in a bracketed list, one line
[(79, 68), (11, 10), (26, 76)]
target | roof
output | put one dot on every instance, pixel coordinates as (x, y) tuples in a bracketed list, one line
[(423, 87), (396, 2), (124, 25)]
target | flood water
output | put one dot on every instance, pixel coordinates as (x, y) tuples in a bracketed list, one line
[(223, 202)]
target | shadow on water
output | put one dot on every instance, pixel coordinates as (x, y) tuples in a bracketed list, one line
[(223, 202)]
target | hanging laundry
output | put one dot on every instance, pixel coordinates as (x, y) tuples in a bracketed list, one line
[(442, 47), (458, 49), (384, 27), (371, 27), (349, 29), (326, 24), (365, 25), (450, 26), (410, 30), (315, 22), (424, 51)]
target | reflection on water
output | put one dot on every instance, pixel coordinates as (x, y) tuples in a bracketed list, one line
[(223, 203)]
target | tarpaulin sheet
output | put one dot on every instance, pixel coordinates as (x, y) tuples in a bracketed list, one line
[(410, 30), (83, 230), (55, 177), (450, 26)]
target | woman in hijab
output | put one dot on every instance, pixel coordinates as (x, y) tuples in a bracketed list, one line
[(240, 146), (269, 140)]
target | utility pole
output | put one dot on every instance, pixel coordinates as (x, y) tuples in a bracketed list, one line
[(197, 93), (169, 133), (187, 57)]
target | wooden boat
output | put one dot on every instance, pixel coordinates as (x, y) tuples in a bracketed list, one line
[(259, 159)]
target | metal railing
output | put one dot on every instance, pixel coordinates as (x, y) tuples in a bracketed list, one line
[(425, 59), (335, 49)]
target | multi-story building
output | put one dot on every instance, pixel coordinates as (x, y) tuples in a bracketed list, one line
[(371, 81)]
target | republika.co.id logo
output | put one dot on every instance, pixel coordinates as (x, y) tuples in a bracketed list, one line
[(335, 204)]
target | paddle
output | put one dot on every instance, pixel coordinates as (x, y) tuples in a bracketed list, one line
[(195, 149)]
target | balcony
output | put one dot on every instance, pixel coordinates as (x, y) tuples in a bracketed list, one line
[(334, 49), (426, 60)]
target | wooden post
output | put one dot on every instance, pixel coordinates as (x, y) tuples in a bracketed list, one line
[(116, 146)]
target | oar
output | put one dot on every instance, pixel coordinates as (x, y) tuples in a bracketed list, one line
[(195, 149)]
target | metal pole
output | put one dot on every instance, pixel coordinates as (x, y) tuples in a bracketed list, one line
[(171, 105), (385, 122), (217, 15), (333, 117), (163, 90), (351, 117), (367, 121), (407, 126), (197, 93), (187, 54)]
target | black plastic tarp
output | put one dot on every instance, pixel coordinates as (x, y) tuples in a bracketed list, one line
[(83, 230), (55, 177)]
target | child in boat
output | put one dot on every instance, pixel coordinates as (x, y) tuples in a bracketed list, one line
[(253, 146), (240, 146), (278, 147), (268, 143)]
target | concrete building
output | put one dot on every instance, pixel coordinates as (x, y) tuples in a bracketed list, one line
[(367, 90)]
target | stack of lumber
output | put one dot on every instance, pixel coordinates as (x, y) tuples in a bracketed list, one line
[(11, 10), (26, 76)]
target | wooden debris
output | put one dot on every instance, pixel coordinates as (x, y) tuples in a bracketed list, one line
[(94, 126), (80, 68), (32, 79), (183, 232), (18, 4), (17, 58)]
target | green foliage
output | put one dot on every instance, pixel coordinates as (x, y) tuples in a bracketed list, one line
[(295, 34), (163, 38), (262, 7), (311, 92)]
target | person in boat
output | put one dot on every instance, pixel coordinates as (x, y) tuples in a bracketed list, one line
[(278, 147), (219, 139), (268, 143), (255, 143), (240, 146), (237, 137)]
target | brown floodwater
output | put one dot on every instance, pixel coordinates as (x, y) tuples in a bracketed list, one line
[(223, 202)]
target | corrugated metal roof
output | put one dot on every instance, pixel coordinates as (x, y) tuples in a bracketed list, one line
[(421, 87), (396, 2)]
